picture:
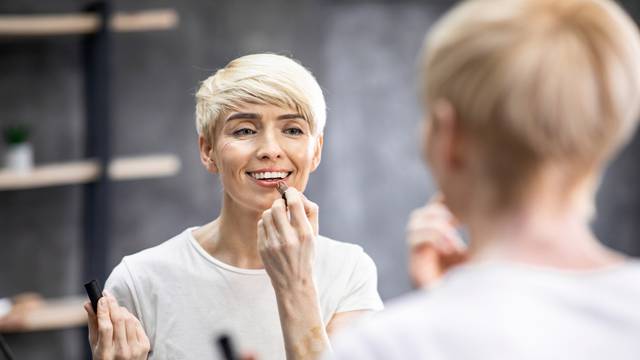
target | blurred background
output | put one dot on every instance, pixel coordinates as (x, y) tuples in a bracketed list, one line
[(363, 54)]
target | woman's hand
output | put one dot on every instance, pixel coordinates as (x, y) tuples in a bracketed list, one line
[(115, 333), (434, 243), (286, 242)]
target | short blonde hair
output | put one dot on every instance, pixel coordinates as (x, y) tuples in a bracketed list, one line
[(259, 79), (537, 81)]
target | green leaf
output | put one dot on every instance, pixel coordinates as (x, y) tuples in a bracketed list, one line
[(16, 134)]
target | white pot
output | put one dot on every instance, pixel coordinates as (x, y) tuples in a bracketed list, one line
[(19, 157)]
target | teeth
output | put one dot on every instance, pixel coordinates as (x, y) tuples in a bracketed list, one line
[(269, 175)]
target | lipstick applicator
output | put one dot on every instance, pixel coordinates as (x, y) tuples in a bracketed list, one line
[(282, 189)]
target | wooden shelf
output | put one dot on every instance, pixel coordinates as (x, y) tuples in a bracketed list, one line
[(55, 314), (143, 167), (85, 23), (80, 172)]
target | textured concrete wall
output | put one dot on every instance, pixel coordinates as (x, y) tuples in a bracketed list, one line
[(370, 178)]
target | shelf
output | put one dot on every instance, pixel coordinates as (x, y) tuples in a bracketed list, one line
[(80, 172), (85, 23), (143, 167), (55, 314)]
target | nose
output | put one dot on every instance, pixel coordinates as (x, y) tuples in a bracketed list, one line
[(269, 148)]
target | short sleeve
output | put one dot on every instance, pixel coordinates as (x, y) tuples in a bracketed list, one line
[(120, 284), (362, 287), (355, 343)]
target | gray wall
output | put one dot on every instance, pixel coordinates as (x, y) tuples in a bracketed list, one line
[(370, 178)]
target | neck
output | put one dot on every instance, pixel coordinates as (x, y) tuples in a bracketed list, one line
[(549, 229), (232, 237)]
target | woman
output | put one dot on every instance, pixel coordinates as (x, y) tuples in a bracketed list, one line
[(259, 272), (528, 100)]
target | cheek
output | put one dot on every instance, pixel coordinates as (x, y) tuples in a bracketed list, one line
[(231, 153), (301, 153)]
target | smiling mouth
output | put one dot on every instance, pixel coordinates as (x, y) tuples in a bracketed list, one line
[(271, 176)]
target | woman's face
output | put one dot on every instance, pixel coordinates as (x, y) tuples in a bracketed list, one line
[(260, 145)]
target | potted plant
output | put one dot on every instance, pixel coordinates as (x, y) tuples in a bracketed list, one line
[(19, 156)]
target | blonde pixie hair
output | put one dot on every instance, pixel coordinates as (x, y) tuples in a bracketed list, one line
[(266, 79), (537, 81)]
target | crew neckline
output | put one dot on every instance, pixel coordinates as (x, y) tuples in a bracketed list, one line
[(627, 264), (217, 262)]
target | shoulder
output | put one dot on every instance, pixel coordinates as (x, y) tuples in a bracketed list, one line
[(168, 251), (403, 325), (340, 258), (334, 251), (152, 260)]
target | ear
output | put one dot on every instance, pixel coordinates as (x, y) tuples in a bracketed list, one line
[(206, 155), (317, 152), (444, 138)]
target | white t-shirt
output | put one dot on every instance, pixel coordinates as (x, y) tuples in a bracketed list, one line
[(507, 311), (185, 298)]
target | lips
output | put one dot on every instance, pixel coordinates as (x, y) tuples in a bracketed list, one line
[(270, 177)]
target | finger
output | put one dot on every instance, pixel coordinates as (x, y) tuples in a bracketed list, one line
[(270, 229), (105, 326), (130, 326), (92, 324), (426, 230), (141, 335), (91, 316), (425, 267), (312, 211), (281, 222), (262, 236), (432, 211), (118, 319), (429, 222), (299, 219), (455, 238), (431, 239)]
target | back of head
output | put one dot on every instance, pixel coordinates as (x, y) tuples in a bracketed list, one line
[(266, 79), (537, 81)]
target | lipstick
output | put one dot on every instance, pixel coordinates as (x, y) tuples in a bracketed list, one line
[(94, 292), (282, 189)]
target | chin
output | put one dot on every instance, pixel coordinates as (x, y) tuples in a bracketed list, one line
[(265, 203)]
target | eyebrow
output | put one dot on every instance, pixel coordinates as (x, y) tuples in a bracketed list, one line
[(254, 116)]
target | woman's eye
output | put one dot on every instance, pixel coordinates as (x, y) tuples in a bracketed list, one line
[(244, 132), (293, 131)]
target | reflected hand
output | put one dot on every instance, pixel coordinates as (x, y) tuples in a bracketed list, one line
[(115, 333), (434, 243)]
